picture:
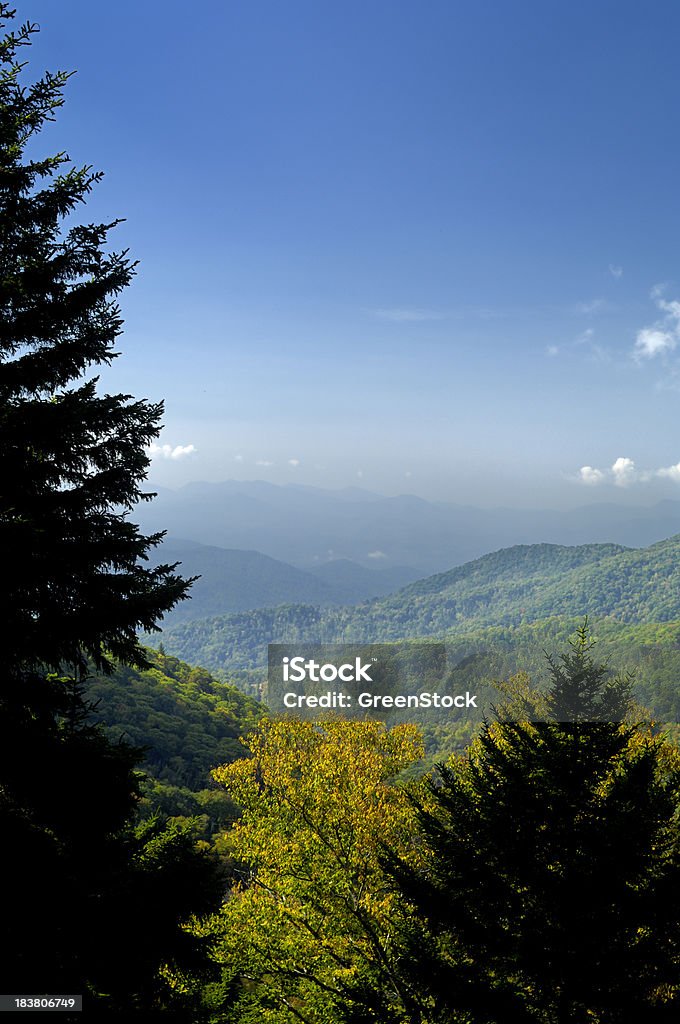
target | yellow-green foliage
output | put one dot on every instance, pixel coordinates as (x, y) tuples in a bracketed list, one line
[(314, 905)]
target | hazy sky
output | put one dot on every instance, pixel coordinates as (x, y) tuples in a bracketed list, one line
[(413, 245)]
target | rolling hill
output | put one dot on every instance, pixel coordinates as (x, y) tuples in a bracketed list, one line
[(510, 587)]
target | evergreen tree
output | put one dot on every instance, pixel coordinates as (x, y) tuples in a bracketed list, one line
[(90, 902), (551, 891), (72, 460)]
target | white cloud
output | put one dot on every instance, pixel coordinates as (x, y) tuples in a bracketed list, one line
[(589, 475), (293, 462), (407, 314), (670, 472), (672, 308), (166, 451), (552, 350), (377, 554), (615, 271), (623, 472), (264, 462), (238, 458), (663, 336), (653, 341)]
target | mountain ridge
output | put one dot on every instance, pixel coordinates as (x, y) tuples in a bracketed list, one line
[(233, 580), (629, 585), (306, 526)]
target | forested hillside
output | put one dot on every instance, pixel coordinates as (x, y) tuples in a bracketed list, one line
[(187, 720), (507, 588)]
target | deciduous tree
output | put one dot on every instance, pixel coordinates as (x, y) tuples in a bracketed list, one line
[(314, 908)]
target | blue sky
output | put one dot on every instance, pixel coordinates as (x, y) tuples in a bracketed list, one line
[(413, 246)]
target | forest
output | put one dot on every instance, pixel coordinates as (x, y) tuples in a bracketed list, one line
[(513, 588), (172, 851)]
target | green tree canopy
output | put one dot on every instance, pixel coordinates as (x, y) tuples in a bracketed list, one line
[(313, 906)]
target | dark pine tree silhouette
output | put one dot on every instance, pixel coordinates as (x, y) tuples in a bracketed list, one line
[(89, 902), (72, 460)]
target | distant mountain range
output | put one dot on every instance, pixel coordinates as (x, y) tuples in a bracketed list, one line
[(511, 587), (308, 527), (234, 581)]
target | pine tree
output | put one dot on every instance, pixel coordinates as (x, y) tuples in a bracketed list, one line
[(552, 888), (90, 902), (72, 459)]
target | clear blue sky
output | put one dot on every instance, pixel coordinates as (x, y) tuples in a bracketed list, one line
[(414, 246)]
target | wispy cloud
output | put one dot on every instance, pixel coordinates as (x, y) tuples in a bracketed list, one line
[(615, 271), (586, 337), (585, 340), (377, 554), (293, 462), (670, 472), (407, 314), (263, 462), (592, 306), (167, 451)]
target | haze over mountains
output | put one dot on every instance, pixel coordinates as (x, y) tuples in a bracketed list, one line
[(500, 585), (234, 581), (308, 527)]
